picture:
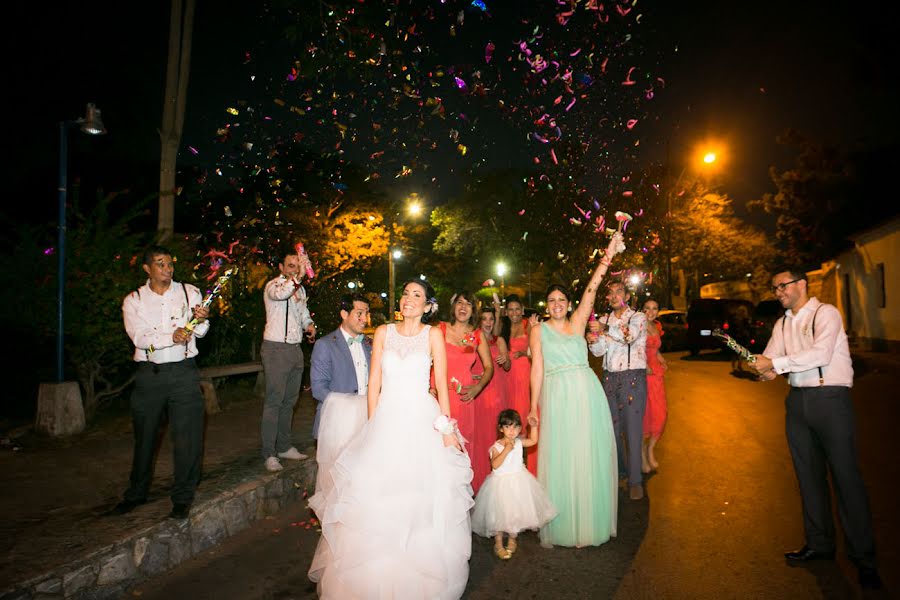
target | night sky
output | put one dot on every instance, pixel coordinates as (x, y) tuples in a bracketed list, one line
[(740, 75)]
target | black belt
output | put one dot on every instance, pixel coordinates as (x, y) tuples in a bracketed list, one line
[(158, 367)]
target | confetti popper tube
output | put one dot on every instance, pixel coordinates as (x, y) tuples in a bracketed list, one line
[(309, 270), (734, 346), (220, 283)]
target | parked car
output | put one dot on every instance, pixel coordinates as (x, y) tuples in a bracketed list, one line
[(707, 314), (674, 324), (764, 316)]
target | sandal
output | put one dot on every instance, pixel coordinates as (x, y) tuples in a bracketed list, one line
[(501, 552), (511, 546)]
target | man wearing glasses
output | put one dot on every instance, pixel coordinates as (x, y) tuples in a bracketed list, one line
[(809, 346)]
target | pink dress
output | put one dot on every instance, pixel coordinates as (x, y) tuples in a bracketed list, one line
[(488, 405), (655, 413), (462, 362), (519, 389)]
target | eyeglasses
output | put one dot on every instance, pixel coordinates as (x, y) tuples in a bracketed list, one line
[(782, 286)]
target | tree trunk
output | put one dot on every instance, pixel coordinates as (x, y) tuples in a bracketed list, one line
[(181, 27)]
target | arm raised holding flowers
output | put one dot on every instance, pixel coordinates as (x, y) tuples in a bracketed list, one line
[(585, 308)]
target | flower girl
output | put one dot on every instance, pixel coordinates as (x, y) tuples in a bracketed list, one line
[(511, 499)]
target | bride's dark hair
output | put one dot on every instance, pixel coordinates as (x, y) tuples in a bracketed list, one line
[(431, 315)]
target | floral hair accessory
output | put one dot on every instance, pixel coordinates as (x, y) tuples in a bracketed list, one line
[(445, 425)]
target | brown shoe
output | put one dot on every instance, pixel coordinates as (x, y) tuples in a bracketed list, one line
[(636, 492)]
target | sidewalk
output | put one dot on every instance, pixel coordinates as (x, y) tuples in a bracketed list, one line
[(57, 541)]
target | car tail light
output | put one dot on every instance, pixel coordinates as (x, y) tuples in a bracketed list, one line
[(725, 325)]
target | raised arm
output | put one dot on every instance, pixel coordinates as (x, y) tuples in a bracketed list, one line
[(484, 353), (498, 325), (374, 393), (537, 371), (586, 306)]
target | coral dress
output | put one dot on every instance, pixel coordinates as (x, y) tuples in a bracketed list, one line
[(577, 462), (511, 500), (462, 365), (656, 412), (488, 405), (396, 523), (519, 388)]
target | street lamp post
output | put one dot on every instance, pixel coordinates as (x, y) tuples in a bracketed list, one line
[(91, 124), (393, 254), (414, 208), (708, 159), (60, 410)]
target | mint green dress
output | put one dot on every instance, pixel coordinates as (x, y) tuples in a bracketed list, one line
[(577, 462)]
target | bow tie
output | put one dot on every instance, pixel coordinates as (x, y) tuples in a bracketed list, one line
[(355, 339)]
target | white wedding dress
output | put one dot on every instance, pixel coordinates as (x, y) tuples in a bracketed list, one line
[(396, 523)]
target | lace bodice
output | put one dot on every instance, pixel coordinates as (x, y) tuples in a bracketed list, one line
[(406, 362)]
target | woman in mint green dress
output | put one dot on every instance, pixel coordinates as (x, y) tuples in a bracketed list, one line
[(577, 462)]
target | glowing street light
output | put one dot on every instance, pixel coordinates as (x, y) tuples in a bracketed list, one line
[(707, 158), (501, 272)]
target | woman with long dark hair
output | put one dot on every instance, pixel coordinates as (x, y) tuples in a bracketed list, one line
[(577, 462)]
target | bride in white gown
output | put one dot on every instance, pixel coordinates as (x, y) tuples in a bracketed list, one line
[(396, 523)]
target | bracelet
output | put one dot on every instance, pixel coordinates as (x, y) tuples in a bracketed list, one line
[(445, 425)]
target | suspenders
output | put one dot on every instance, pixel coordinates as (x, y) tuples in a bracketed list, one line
[(187, 303), (821, 376)]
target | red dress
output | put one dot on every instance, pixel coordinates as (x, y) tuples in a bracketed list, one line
[(518, 383), (462, 361), (655, 412), (488, 405)]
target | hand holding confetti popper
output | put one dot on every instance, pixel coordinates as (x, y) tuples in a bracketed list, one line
[(734, 346), (302, 252), (220, 283)]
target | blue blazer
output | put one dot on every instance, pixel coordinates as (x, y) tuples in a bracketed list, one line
[(332, 370)]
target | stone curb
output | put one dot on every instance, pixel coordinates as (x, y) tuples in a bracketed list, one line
[(105, 573)]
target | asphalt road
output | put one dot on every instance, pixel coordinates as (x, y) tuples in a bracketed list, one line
[(716, 520)]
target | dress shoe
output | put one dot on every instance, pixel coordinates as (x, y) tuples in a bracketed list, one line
[(273, 465), (292, 454), (180, 511), (806, 553), (869, 579), (636, 492), (126, 506)]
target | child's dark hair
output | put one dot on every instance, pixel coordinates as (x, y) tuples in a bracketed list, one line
[(510, 416)]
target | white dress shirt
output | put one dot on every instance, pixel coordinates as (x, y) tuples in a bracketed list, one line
[(621, 353), (359, 363), (800, 354), (285, 300), (151, 319)]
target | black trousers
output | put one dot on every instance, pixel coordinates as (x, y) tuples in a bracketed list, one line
[(821, 433), (176, 387)]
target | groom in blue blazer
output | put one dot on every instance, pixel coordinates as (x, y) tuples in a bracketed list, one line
[(340, 359)]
